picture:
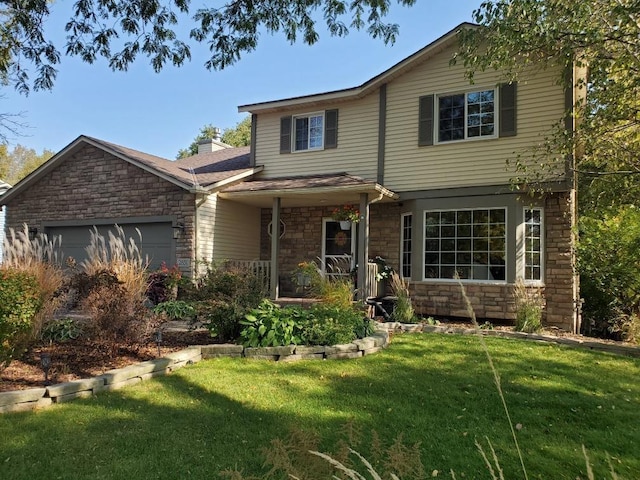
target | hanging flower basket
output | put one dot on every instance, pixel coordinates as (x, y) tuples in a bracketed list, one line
[(345, 224), (346, 213)]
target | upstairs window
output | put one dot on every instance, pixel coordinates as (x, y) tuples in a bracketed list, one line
[(489, 113), (312, 131), (466, 115), (309, 132)]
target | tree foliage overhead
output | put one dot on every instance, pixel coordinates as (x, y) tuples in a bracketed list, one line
[(21, 161), (120, 30), (238, 136), (601, 34)]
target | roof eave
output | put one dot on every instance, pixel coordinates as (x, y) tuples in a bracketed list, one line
[(232, 180)]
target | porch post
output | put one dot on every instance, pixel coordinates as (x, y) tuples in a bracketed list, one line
[(275, 247), (363, 247)]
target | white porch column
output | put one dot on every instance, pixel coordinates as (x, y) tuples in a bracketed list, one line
[(275, 247), (363, 247)]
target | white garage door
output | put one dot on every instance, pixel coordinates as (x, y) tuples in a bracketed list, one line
[(157, 240)]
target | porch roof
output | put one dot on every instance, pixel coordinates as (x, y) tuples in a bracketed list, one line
[(312, 190)]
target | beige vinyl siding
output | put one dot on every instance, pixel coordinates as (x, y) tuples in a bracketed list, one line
[(357, 150), (237, 231), (540, 103), (205, 224)]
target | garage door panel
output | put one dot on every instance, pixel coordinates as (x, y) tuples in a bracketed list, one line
[(156, 243)]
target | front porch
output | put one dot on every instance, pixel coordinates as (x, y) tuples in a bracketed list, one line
[(302, 208)]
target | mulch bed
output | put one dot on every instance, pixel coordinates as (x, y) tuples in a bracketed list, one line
[(78, 359)]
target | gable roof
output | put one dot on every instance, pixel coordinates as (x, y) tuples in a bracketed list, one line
[(367, 87), (199, 173)]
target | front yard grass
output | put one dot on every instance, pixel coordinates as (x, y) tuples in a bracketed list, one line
[(433, 389)]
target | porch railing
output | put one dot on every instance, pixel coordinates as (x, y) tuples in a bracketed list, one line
[(372, 282), (260, 268)]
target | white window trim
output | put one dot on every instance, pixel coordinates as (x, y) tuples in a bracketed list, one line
[(293, 131), (523, 253), (402, 217), (436, 115), (468, 280)]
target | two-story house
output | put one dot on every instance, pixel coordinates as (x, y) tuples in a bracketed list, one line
[(423, 154), (417, 150)]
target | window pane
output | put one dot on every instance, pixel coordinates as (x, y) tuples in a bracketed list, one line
[(302, 133), (473, 257), (316, 130), (533, 244), (451, 117)]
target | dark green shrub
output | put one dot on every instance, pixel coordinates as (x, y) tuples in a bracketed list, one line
[(270, 325), (221, 317), (332, 325), (608, 259), (19, 302), (225, 295)]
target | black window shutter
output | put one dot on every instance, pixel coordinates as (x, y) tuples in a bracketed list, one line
[(331, 129), (285, 135), (425, 121), (508, 111)]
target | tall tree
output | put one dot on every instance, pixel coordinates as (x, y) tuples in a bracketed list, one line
[(601, 34), (238, 136), (21, 161), (120, 30)]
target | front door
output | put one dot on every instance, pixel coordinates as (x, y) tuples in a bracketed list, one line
[(338, 248)]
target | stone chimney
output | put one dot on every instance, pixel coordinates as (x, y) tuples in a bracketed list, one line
[(212, 144)]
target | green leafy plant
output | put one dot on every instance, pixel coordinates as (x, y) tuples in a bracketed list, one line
[(176, 309), (529, 308), (19, 303), (61, 330), (270, 325), (608, 256), (221, 317)]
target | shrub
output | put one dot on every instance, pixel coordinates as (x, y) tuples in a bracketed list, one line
[(222, 318), (608, 259), (19, 303), (528, 308), (224, 295), (332, 325), (38, 258), (163, 284), (118, 316)]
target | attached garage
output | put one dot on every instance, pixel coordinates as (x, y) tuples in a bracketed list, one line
[(155, 239)]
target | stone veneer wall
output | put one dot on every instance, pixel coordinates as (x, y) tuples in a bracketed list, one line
[(496, 301), (302, 240), (93, 184)]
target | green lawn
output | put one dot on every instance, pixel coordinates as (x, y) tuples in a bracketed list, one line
[(434, 389)]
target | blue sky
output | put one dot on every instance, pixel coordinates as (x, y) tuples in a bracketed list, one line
[(160, 113)]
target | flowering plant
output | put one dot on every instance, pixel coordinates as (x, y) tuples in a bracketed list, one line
[(384, 270), (305, 274), (346, 213)]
